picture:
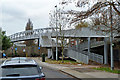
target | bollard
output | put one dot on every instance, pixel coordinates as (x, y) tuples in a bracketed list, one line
[(43, 57)]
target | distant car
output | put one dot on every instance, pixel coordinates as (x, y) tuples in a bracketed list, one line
[(26, 69)]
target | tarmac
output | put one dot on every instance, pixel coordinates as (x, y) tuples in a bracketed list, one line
[(81, 71)]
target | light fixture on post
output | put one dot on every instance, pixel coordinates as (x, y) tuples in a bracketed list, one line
[(56, 36)]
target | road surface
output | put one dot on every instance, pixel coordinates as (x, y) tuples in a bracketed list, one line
[(52, 74)]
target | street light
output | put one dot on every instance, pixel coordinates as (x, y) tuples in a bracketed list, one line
[(111, 39), (56, 35)]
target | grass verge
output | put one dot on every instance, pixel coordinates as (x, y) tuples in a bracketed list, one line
[(60, 62), (107, 69)]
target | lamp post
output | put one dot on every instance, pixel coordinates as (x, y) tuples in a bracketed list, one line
[(56, 35), (111, 39)]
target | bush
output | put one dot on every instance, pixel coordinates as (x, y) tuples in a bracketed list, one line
[(34, 55)]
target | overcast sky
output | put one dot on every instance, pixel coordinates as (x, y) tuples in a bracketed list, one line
[(14, 14)]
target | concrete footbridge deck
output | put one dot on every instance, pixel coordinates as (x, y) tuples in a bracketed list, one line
[(46, 34)]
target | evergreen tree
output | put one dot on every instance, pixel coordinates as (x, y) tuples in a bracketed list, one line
[(5, 41)]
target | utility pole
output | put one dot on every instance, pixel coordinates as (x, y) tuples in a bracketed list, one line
[(56, 36), (111, 38)]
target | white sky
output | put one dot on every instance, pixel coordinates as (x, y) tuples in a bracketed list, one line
[(15, 13)]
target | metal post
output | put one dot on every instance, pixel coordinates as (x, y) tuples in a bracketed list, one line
[(77, 43), (12, 51), (52, 54), (88, 44), (39, 42), (56, 35), (105, 51), (111, 38), (70, 42)]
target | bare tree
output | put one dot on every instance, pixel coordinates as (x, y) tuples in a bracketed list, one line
[(81, 24), (92, 9), (104, 19), (61, 24)]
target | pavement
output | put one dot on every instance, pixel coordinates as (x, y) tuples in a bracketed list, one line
[(81, 71)]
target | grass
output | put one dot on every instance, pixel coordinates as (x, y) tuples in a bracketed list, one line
[(107, 69), (60, 62)]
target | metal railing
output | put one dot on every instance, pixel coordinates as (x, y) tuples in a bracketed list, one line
[(73, 51), (96, 57), (84, 45), (78, 56)]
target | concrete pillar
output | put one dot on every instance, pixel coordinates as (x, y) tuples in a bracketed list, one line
[(52, 54), (49, 53), (77, 43), (105, 51), (70, 42), (39, 40), (88, 44)]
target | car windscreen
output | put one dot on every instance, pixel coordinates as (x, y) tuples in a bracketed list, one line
[(19, 71)]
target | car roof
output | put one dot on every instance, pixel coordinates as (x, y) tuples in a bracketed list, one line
[(18, 62)]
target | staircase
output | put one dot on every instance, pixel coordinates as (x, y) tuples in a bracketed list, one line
[(77, 53), (84, 45)]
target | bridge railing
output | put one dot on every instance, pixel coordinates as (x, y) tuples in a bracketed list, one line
[(84, 45), (92, 56), (78, 56), (31, 34), (96, 57)]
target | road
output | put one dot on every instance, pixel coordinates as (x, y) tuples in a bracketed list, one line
[(52, 74)]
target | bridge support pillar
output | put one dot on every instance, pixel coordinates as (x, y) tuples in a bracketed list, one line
[(39, 40), (50, 53), (105, 51), (88, 44), (70, 42), (77, 43)]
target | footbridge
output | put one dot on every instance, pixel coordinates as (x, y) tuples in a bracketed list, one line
[(52, 32), (45, 36)]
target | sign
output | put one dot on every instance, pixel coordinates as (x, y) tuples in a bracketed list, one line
[(39, 48), (16, 49)]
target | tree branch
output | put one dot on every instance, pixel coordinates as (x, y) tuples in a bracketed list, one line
[(90, 12), (118, 12)]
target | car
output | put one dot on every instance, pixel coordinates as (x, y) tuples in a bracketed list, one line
[(17, 69)]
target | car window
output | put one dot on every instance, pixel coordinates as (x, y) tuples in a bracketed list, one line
[(20, 71), (18, 58)]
